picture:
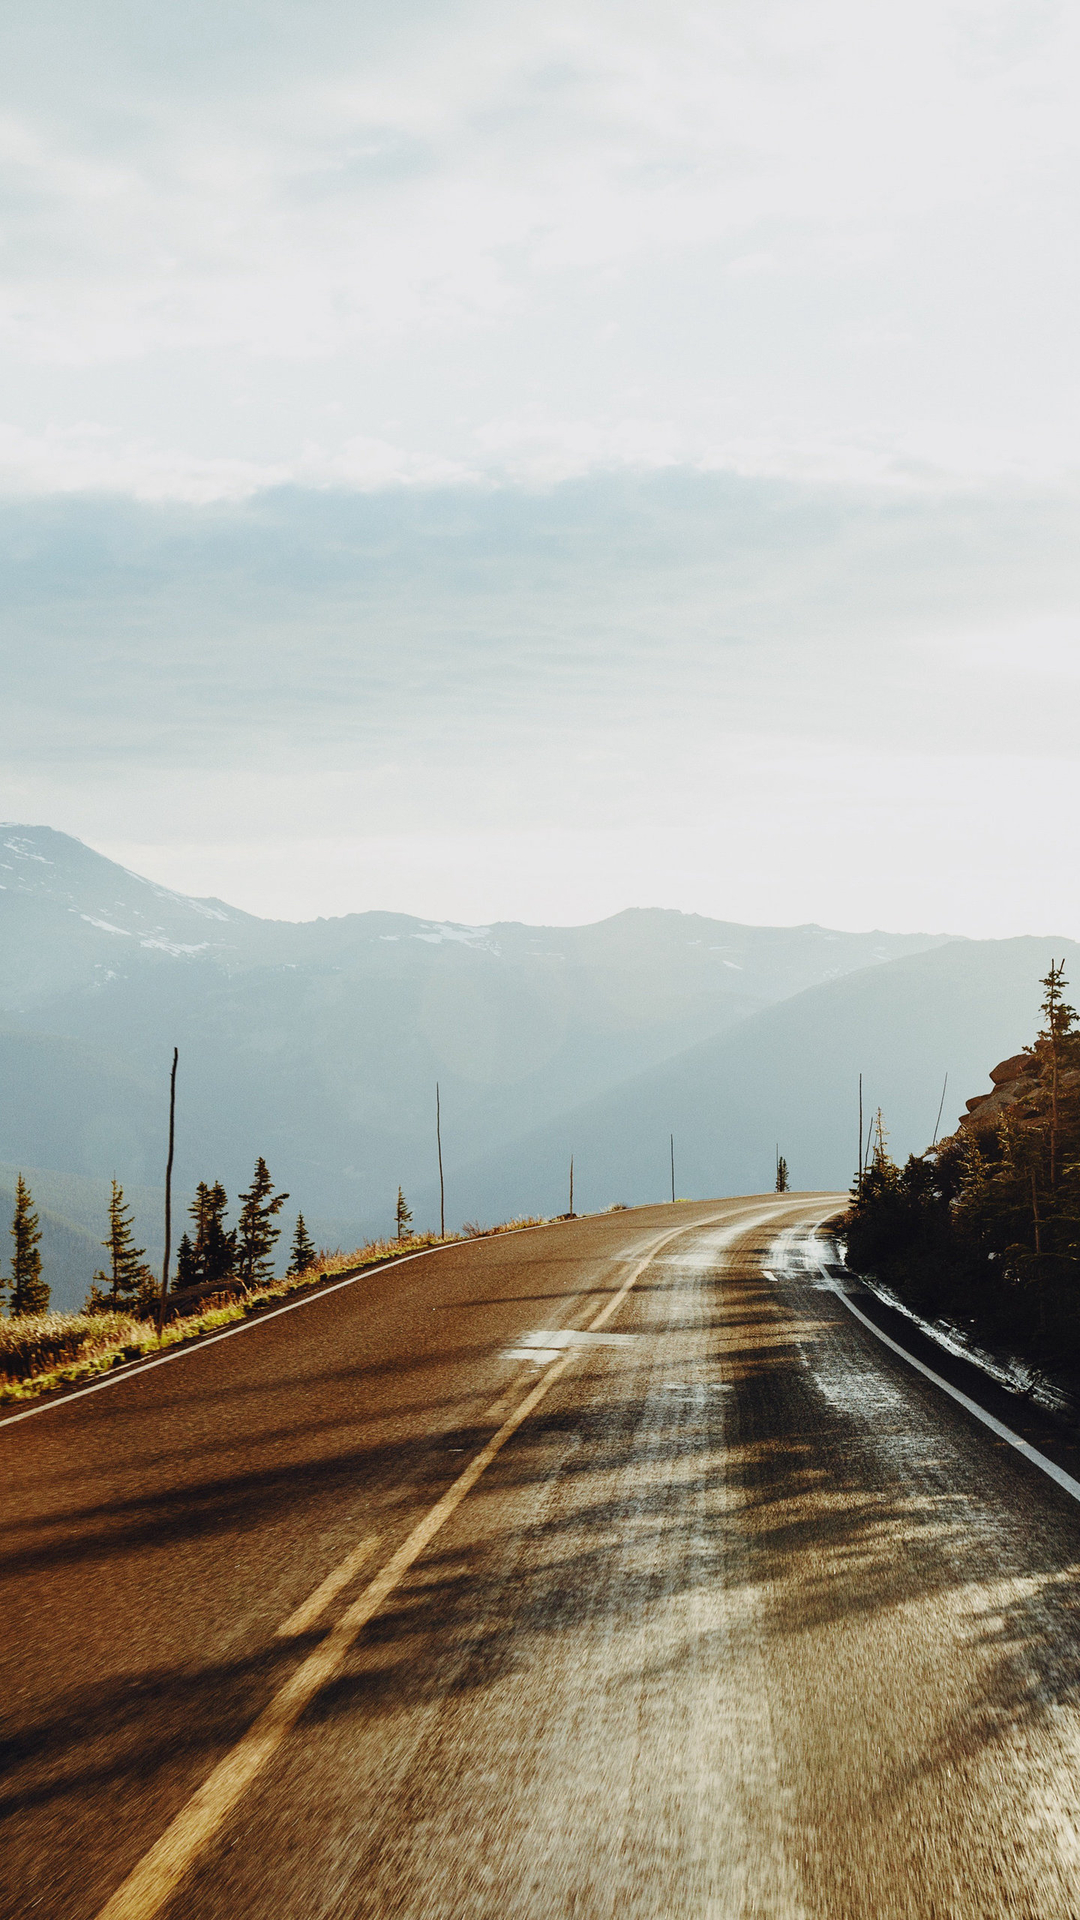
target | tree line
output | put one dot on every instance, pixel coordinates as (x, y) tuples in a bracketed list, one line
[(985, 1224), (211, 1255), (215, 1256)]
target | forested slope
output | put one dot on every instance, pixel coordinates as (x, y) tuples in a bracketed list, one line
[(985, 1223)]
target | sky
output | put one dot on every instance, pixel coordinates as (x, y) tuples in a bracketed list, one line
[(515, 462)]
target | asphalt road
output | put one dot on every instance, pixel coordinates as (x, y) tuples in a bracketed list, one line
[(391, 1606)]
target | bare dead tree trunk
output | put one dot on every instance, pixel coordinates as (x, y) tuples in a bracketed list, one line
[(940, 1111), (438, 1143), (168, 1190)]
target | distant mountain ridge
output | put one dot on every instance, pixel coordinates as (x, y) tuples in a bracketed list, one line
[(319, 1043), (788, 1077), (56, 886)]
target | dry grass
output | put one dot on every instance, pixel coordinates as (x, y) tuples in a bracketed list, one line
[(472, 1229), (40, 1342), (40, 1351), (369, 1255), (417, 1243)]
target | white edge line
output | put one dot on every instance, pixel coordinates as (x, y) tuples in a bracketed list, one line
[(1037, 1459), (200, 1343)]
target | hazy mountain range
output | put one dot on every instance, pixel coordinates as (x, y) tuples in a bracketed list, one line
[(319, 1045), (788, 1076)]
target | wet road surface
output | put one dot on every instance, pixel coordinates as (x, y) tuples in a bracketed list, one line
[(736, 1615)]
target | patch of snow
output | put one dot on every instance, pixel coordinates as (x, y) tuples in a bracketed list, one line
[(439, 930), (150, 886), (105, 925), (175, 946), (23, 849), (176, 899)]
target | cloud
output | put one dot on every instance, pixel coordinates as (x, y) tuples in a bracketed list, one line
[(459, 594), (830, 240), (430, 694), (606, 420)]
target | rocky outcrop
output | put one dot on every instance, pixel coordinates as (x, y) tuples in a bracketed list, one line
[(1012, 1081), (1018, 1066)]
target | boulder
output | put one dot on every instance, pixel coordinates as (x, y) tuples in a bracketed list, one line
[(1016, 1067)]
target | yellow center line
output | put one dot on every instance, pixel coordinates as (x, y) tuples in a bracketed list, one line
[(159, 1872), (316, 1603)]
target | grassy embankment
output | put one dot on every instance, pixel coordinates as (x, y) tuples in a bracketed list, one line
[(40, 1352)]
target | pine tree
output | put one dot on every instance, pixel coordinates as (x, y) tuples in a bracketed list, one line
[(1060, 1019), (211, 1261), (127, 1282), (303, 1252), (781, 1174), (986, 1223), (185, 1265), (255, 1235), (29, 1293), (404, 1217)]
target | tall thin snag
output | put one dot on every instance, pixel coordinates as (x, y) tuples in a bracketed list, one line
[(168, 1189)]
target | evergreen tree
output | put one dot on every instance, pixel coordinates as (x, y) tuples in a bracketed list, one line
[(986, 1224), (303, 1253), (211, 1261), (127, 1281), (1060, 1019), (404, 1217), (185, 1265), (29, 1293), (781, 1175), (256, 1236)]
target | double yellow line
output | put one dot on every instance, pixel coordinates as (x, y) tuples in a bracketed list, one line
[(159, 1872)]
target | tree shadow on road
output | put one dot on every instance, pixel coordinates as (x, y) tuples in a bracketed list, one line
[(784, 1460)]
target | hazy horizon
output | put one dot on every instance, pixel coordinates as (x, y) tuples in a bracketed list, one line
[(479, 924), (456, 920), (513, 465)]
